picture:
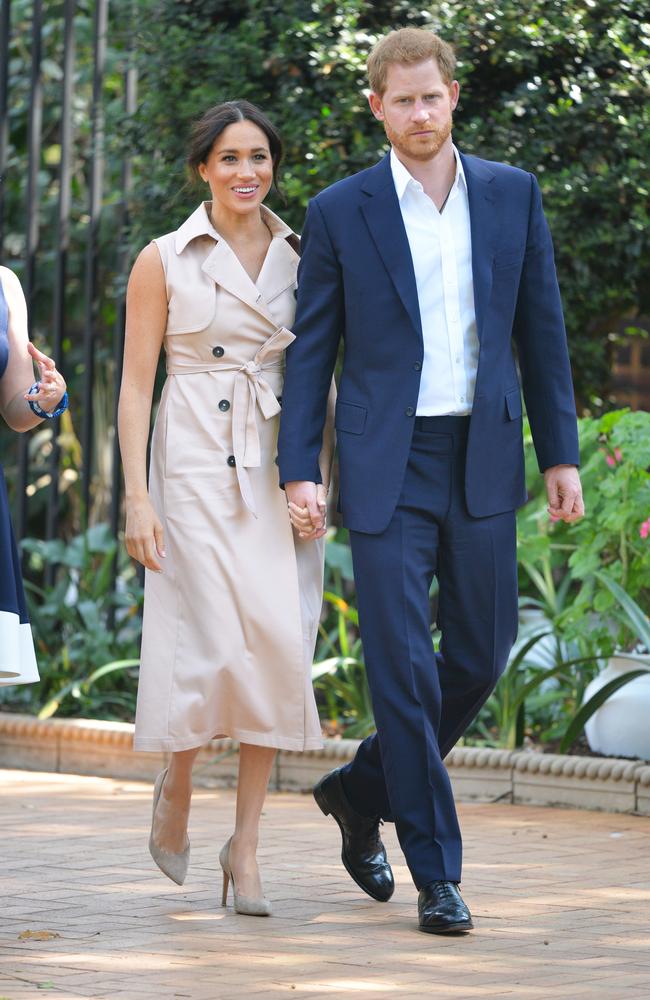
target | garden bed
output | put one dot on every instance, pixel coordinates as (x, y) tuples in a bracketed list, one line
[(85, 746)]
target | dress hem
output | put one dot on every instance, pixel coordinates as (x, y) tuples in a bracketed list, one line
[(152, 744)]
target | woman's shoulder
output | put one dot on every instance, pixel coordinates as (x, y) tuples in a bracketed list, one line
[(10, 281)]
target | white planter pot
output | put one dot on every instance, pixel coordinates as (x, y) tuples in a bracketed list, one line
[(621, 727)]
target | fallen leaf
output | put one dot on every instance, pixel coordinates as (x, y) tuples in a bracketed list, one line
[(37, 935)]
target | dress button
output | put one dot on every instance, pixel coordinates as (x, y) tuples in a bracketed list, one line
[(231, 461), (224, 405), (218, 352), (409, 411), (417, 367)]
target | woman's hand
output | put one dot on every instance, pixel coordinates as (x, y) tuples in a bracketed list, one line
[(144, 534), (51, 385), (301, 519)]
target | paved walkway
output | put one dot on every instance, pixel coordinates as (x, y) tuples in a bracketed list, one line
[(561, 901)]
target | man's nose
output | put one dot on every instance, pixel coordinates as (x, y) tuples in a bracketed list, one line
[(420, 113)]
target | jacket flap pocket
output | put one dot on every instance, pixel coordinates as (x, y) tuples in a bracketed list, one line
[(513, 403), (350, 417), (507, 258)]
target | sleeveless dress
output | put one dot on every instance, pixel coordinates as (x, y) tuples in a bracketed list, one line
[(17, 659), (229, 626)]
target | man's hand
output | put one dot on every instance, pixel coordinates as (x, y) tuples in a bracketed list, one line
[(307, 508), (564, 492)]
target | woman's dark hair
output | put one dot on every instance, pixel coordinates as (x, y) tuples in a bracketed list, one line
[(209, 127)]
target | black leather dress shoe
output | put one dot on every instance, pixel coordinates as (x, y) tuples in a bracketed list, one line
[(362, 853), (441, 909)]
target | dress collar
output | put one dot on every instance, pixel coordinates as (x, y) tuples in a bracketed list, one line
[(200, 224)]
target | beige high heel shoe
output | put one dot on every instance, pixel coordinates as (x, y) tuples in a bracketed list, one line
[(243, 904), (174, 865)]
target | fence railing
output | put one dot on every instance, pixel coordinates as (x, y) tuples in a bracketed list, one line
[(63, 229)]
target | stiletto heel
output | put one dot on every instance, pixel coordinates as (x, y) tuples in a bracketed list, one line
[(243, 904), (173, 865)]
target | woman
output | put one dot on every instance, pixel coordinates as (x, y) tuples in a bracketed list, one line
[(232, 598), (22, 408)]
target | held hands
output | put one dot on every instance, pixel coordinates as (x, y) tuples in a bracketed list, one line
[(307, 503), (51, 385), (143, 536), (564, 493)]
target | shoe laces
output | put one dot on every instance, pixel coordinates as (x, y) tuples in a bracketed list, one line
[(374, 838), (447, 890)]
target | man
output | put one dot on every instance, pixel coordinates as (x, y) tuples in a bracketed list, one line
[(430, 265)]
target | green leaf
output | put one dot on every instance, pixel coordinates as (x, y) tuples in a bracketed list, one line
[(633, 613)]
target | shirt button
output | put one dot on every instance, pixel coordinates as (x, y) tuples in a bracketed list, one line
[(218, 352), (417, 367), (231, 461), (409, 411), (462, 399), (224, 405)]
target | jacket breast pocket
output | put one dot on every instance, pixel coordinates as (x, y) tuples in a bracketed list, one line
[(350, 417), (513, 403)]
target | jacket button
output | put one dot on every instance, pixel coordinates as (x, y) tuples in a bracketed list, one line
[(409, 411), (224, 405), (417, 367), (218, 352), (231, 461)]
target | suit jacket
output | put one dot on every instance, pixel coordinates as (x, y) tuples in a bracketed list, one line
[(356, 281)]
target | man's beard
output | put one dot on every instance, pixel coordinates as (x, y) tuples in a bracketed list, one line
[(420, 147)]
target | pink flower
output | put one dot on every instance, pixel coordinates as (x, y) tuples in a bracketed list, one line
[(610, 461), (644, 530), (618, 454)]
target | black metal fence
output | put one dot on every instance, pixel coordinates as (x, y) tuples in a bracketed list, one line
[(64, 230)]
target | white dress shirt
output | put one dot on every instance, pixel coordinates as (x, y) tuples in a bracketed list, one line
[(441, 248)]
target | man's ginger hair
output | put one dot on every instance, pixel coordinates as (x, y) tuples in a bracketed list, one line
[(408, 46)]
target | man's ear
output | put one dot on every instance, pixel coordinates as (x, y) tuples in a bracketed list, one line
[(376, 106), (454, 92)]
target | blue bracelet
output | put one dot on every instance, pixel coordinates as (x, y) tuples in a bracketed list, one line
[(39, 411)]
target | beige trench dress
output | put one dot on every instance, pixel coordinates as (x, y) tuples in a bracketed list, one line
[(230, 624)]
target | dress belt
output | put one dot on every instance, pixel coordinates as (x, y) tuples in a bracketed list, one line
[(252, 392)]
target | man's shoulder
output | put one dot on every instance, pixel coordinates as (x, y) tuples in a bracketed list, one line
[(501, 171), (348, 188)]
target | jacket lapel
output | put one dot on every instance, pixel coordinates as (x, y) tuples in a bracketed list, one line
[(484, 224), (384, 220), (224, 268)]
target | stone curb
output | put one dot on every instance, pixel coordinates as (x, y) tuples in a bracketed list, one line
[(85, 746)]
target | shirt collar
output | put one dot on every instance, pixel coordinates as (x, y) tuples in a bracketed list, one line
[(402, 179), (200, 224)]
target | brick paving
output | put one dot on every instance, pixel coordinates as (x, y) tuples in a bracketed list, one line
[(561, 901)]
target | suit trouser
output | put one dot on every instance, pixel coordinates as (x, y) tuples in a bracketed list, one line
[(424, 701)]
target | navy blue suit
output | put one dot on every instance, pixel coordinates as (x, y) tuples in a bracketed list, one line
[(426, 497)]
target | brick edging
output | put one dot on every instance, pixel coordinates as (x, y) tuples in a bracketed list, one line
[(87, 746)]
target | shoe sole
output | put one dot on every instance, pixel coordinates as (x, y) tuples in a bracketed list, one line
[(460, 928), (325, 809)]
